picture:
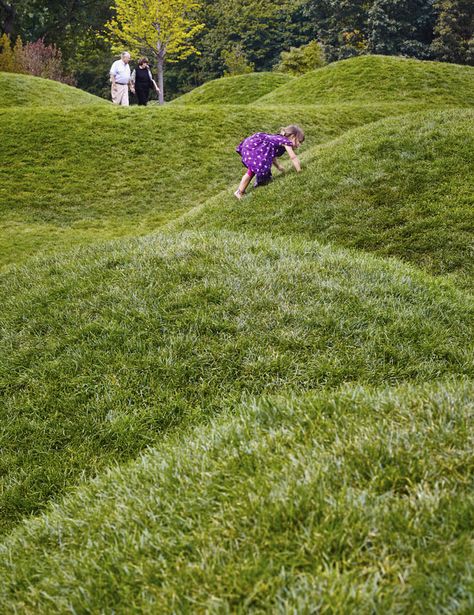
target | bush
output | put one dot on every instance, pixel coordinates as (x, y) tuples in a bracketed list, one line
[(300, 60), (36, 59), (11, 58)]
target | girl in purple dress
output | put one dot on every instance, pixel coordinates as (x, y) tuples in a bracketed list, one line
[(261, 150)]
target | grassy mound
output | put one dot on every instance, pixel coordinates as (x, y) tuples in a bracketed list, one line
[(355, 501), (75, 176), (399, 188), (106, 350), (375, 79), (27, 91), (237, 90)]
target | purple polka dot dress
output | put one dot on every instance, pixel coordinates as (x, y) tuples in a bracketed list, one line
[(258, 152)]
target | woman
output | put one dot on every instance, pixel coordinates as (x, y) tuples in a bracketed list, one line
[(142, 81)]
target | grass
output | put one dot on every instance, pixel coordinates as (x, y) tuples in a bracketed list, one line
[(106, 350), (235, 413), (399, 189), (75, 176), (27, 91), (376, 79), (239, 89), (353, 501)]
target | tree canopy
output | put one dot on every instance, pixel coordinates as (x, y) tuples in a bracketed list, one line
[(162, 29), (238, 35)]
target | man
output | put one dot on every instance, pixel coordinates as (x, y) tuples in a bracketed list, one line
[(120, 79)]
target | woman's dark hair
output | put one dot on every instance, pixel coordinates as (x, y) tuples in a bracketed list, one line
[(142, 61)]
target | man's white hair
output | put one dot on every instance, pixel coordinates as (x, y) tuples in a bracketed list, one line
[(124, 53)]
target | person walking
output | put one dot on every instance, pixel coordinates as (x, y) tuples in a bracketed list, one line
[(142, 81), (120, 79)]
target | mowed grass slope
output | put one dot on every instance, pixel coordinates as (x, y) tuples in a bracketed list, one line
[(72, 176), (273, 424), (106, 350), (401, 187), (376, 79), (239, 89), (355, 501), (27, 91)]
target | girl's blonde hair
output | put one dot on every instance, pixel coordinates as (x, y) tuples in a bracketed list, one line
[(293, 131)]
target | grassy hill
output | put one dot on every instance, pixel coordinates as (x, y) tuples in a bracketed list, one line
[(358, 501), (75, 176), (27, 91), (239, 89), (376, 79), (267, 405), (106, 350), (399, 188)]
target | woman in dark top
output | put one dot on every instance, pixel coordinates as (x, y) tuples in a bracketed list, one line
[(142, 81)]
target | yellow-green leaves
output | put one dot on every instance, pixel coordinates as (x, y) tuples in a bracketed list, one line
[(164, 27)]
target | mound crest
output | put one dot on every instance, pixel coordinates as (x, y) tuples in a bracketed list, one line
[(237, 90), (25, 91), (376, 79)]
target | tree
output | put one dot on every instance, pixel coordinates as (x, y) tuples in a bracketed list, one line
[(261, 28), (161, 28), (300, 60), (401, 27), (236, 61), (340, 26), (7, 16), (454, 31)]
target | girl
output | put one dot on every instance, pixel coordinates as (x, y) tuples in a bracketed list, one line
[(261, 150)]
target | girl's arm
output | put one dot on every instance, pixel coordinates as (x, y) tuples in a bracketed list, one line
[(294, 158), (278, 165)]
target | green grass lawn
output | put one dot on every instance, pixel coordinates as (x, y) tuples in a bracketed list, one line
[(398, 188), (239, 89), (217, 406), (355, 501), (376, 79), (27, 91), (74, 176), (106, 350)]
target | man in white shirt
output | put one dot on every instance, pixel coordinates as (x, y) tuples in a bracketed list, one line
[(120, 79)]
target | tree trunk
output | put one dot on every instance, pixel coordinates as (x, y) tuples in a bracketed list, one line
[(160, 68)]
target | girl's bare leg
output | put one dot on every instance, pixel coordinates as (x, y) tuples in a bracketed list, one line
[(245, 181)]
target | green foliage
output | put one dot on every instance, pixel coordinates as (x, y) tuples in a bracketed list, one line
[(235, 61), (453, 31), (401, 27), (341, 26), (261, 27), (10, 57), (163, 29), (300, 60)]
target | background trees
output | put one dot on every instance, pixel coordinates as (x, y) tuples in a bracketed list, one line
[(162, 29), (242, 35)]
